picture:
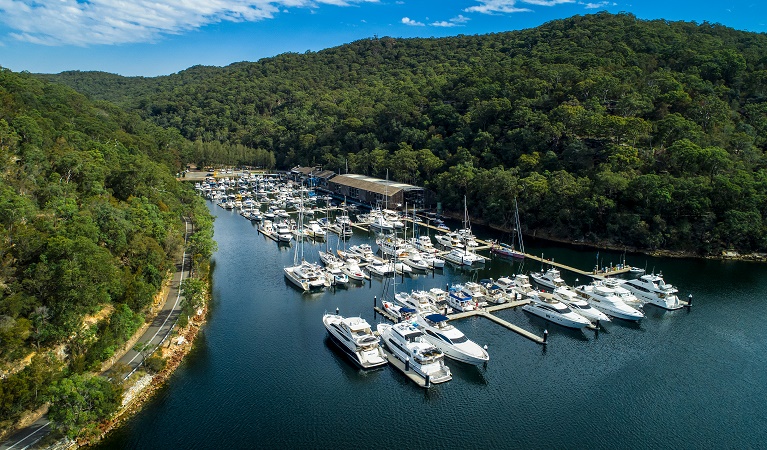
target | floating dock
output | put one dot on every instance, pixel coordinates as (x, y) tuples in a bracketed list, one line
[(415, 377), (485, 312)]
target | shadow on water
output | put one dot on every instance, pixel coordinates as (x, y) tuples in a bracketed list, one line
[(348, 367), (467, 372), (554, 328)]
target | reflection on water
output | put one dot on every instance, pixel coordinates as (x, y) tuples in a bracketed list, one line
[(263, 373)]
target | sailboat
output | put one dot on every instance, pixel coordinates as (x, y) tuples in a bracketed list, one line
[(305, 275), (502, 249)]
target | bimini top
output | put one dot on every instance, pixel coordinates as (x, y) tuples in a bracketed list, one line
[(436, 318), (407, 309)]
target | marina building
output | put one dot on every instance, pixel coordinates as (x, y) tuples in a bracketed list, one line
[(365, 190)]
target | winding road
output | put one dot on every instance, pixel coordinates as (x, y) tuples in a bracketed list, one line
[(155, 335)]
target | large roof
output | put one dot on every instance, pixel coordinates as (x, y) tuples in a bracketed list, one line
[(372, 184)]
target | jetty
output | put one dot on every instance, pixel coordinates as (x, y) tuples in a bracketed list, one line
[(486, 313), (486, 245)]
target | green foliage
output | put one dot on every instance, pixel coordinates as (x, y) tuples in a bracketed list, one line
[(26, 389), (80, 402), (89, 219), (599, 106)]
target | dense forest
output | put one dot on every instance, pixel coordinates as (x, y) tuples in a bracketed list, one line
[(610, 129), (90, 226)]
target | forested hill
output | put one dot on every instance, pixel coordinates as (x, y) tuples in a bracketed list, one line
[(90, 221), (607, 128)]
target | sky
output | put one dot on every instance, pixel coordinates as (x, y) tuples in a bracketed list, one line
[(160, 37)]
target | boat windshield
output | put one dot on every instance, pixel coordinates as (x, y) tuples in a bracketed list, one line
[(413, 336)]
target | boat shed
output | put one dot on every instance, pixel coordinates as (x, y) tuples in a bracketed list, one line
[(377, 192), (314, 176)]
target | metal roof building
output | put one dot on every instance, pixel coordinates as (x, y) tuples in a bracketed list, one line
[(377, 192)]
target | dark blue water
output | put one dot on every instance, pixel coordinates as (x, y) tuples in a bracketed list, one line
[(263, 373)]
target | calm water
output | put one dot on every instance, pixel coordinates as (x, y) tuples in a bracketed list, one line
[(263, 373)]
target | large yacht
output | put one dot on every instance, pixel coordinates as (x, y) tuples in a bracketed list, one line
[(463, 257), (569, 297), (548, 307), (550, 279), (604, 299), (354, 336), (453, 343), (653, 289), (408, 344)]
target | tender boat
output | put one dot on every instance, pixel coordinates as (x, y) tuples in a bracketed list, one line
[(652, 289), (550, 279), (354, 336), (604, 299), (548, 307), (408, 344), (453, 343), (569, 297)]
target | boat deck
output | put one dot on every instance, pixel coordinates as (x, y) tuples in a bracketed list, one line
[(415, 377)]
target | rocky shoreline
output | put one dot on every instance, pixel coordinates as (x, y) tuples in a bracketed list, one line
[(174, 352)]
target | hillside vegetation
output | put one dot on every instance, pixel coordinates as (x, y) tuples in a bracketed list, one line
[(90, 223), (607, 128)]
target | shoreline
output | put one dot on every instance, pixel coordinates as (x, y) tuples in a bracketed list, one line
[(543, 236), (174, 353)]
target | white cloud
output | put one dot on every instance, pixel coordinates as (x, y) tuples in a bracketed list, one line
[(595, 5), (510, 6), (411, 22), (454, 22), (85, 22)]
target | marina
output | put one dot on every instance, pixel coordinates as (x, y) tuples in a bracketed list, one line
[(265, 355)]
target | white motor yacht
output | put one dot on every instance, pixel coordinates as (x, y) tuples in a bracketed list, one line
[(421, 304), (449, 240), (550, 279), (354, 336), (400, 312), (453, 343), (423, 243), (604, 299), (284, 234), (652, 289), (624, 294), (306, 276), (463, 257), (459, 300), (267, 229), (416, 261), (314, 230), (548, 307), (353, 271), (522, 286), (408, 344), (476, 291), (569, 297)]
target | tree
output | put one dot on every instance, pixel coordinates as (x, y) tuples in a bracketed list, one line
[(80, 402)]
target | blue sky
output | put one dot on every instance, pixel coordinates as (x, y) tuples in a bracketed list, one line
[(159, 37)]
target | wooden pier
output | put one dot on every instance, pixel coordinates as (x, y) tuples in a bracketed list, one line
[(485, 312), (486, 245)]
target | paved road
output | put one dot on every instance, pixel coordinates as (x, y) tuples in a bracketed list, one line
[(156, 334)]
